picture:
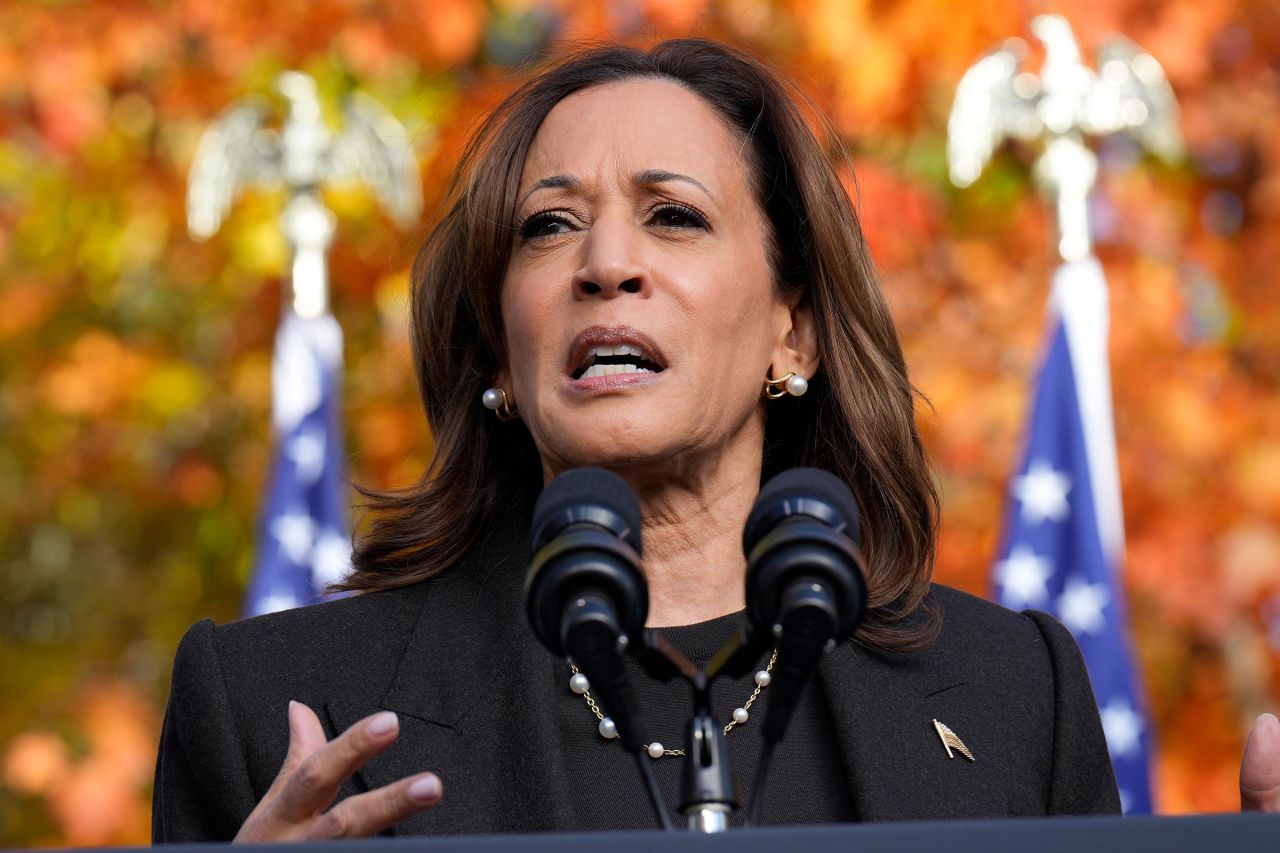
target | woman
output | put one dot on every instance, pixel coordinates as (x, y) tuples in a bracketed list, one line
[(648, 265)]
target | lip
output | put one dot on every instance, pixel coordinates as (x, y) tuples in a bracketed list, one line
[(612, 336)]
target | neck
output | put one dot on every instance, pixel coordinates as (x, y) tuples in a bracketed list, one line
[(694, 505), (693, 556)]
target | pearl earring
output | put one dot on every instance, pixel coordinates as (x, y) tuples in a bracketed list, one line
[(495, 400), (793, 384)]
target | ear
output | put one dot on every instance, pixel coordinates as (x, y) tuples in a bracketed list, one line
[(796, 345)]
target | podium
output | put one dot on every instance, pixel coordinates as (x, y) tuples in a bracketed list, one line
[(1199, 833)]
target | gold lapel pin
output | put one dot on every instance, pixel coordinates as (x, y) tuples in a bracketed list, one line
[(951, 740)]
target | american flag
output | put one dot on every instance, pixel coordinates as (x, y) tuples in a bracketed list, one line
[(1064, 530), (303, 544)]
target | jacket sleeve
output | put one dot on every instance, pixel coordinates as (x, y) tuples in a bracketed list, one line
[(202, 786), (1082, 780)]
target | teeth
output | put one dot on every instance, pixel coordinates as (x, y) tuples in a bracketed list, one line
[(612, 369), (618, 349)]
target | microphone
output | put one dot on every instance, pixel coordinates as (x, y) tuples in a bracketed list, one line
[(805, 583), (805, 587), (585, 595)]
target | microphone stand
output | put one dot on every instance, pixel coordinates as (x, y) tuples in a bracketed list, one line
[(708, 795)]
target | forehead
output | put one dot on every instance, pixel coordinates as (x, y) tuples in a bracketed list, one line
[(632, 125)]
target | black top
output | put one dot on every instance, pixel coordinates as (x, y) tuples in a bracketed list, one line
[(479, 702), (806, 782)]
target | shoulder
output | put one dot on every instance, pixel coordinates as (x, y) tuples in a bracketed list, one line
[(232, 683), (354, 626), (336, 646), (351, 641), (1007, 654), (347, 646), (1014, 687), (974, 622), (976, 629)]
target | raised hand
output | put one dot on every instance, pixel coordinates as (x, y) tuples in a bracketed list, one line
[(296, 807), (1260, 767)]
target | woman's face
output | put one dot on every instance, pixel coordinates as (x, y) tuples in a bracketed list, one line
[(639, 306)]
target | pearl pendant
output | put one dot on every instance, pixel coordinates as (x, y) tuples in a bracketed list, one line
[(763, 678), (655, 750), (740, 715), (492, 398), (796, 386), (579, 684), (608, 730)]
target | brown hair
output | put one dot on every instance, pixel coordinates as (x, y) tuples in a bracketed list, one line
[(857, 420)]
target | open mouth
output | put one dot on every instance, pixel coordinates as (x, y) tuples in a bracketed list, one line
[(614, 359)]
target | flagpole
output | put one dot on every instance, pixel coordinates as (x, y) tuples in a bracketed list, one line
[(303, 543), (1079, 296), (1064, 542)]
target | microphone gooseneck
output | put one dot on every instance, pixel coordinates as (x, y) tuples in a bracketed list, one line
[(805, 587)]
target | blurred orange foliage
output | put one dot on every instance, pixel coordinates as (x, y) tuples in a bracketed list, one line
[(95, 797), (137, 363)]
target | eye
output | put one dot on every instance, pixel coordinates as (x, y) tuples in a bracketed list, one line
[(544, 224), (678, 216)]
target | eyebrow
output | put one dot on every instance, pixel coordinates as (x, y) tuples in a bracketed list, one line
[(553, 182), (661, 176), (644, 178)]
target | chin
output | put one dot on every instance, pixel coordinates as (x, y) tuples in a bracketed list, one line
[(617, 455), (619, 443)]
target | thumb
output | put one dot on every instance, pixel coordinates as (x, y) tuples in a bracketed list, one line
[(1260, 767)]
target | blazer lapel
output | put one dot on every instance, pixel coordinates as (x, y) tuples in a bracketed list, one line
[(475, 694), (883, 708)]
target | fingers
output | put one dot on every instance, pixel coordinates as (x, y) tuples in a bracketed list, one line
[(1260, 767), (374, 811), (306, 735), (315, 781), (313, 771)]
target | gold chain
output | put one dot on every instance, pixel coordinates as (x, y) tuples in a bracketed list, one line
[(746, 706)]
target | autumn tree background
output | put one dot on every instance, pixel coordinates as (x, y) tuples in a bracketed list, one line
[(135, 363)]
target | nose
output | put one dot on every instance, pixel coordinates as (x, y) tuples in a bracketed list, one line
[(611, 263)]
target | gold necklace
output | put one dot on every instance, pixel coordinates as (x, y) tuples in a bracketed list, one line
[(608, 730)]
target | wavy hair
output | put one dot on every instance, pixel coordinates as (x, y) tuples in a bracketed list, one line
[(857, 420)]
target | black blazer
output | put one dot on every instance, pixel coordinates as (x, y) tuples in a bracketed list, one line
[(454, 658)]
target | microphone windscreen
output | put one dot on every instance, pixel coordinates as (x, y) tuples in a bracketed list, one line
[(795, 492), (580, 488)]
